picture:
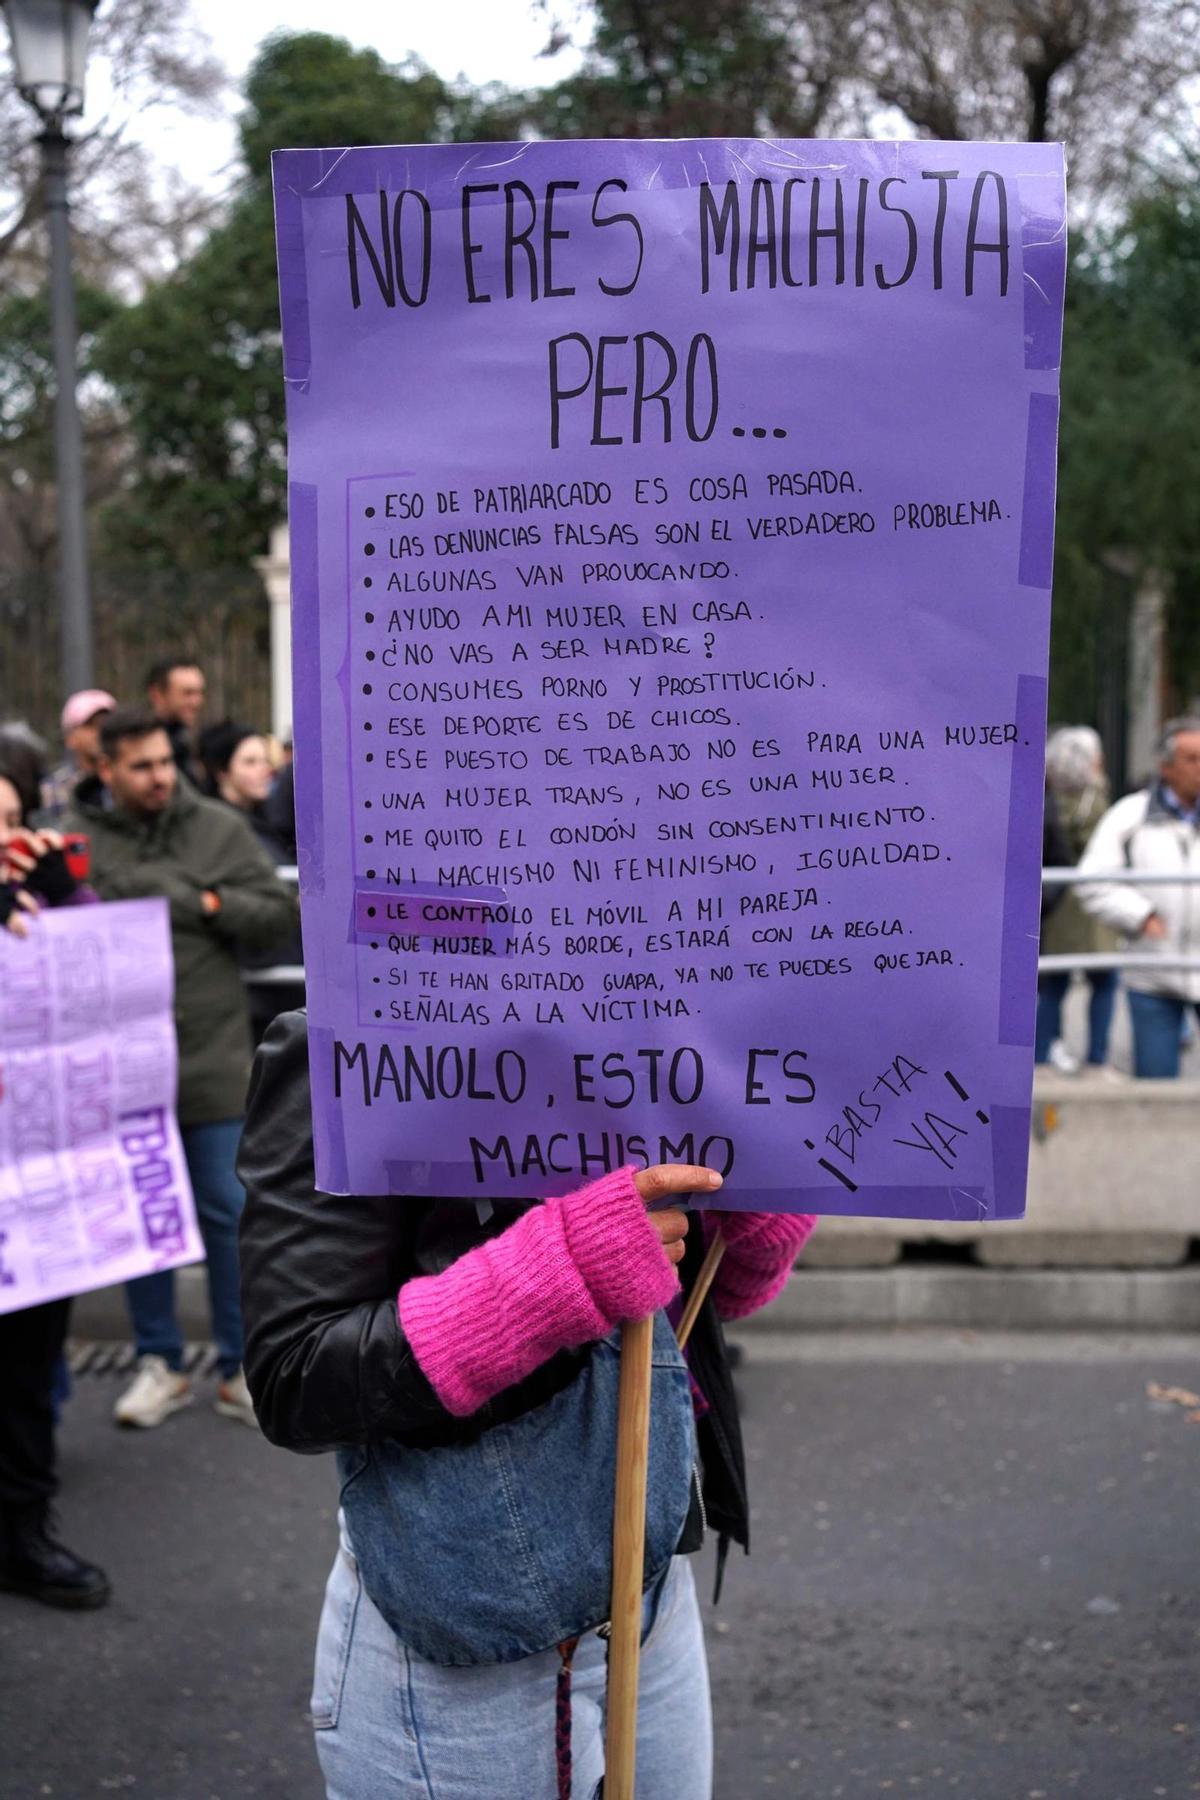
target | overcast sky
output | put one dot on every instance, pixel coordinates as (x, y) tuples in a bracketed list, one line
[(485, 40)]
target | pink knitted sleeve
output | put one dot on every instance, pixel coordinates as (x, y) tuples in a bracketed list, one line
[(760, 1249), (565, 1274)]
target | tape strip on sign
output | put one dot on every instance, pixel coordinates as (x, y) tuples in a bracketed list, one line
[(1037, 503), (329, 1133), (1022, 866), (1010, 1158), (1043, 266), (293, 288)]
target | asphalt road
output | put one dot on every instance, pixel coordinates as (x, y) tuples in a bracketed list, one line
[(975, 1576)]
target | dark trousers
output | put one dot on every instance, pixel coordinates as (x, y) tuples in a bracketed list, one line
[(31, 1343), (1102, 999)]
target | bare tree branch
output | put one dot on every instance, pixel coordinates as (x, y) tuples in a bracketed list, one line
[(154, 54)]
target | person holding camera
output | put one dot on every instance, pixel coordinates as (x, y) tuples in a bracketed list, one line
[(35, 872)]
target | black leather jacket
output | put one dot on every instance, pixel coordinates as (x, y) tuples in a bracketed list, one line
[(326, 1359)]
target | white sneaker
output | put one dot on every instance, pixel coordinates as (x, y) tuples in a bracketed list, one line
[(233, 1400), (1062, 1060), (155, 1393)]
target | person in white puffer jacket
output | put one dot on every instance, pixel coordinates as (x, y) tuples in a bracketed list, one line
[(1157, 830)]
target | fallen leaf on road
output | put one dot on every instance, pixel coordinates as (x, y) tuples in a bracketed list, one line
[(1172, 1396)]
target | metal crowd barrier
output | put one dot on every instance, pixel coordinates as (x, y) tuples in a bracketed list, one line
[(1047, 965), (1121, 959), (1135, 877)]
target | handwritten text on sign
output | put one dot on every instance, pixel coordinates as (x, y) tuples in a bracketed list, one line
[(93, 1185), (671, 530)]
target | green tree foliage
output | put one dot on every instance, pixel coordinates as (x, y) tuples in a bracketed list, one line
[(1130, 459), (27, 416), (704, 68), (196, 362)]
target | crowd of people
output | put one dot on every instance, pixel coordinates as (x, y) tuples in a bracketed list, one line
[(145, 804)]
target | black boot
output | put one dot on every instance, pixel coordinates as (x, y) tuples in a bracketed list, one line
[(32, 1563)]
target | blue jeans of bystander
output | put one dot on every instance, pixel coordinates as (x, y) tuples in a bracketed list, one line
[(1157, 1034), (391, 1726), (211, 1151)]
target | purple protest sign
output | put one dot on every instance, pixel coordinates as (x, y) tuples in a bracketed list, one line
[(93, 1185), (671, 538)]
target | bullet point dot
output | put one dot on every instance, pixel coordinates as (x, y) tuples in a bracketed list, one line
[(375, 980), (368, 549), (370, 756), (367, 725), (370, 874), (370, 512), (367, 581), (370, 656), (374, 944), (370, 912), (367, 688), (368, 803), (369, 617), (378, 1014), (368, 839)]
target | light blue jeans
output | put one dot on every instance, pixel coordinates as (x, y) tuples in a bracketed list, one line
[(390, 1726)]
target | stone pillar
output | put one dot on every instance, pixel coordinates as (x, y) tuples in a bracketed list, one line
[(1145, 684), (276, 571)]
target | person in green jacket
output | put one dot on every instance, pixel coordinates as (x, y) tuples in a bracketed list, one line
[(151, 835), (1077, 787)]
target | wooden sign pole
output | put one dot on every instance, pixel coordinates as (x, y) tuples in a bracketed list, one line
[(629, 1533), (629, 1551), (699, 1293)]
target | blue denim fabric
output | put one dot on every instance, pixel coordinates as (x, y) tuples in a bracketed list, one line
[(1157, 1034), (1102, 999), (494, 1549), (211, 1151), (390, 1726)]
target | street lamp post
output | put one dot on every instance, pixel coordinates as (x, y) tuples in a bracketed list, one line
[(49, 39)]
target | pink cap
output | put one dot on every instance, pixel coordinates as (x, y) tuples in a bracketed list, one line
[(82, 707)]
